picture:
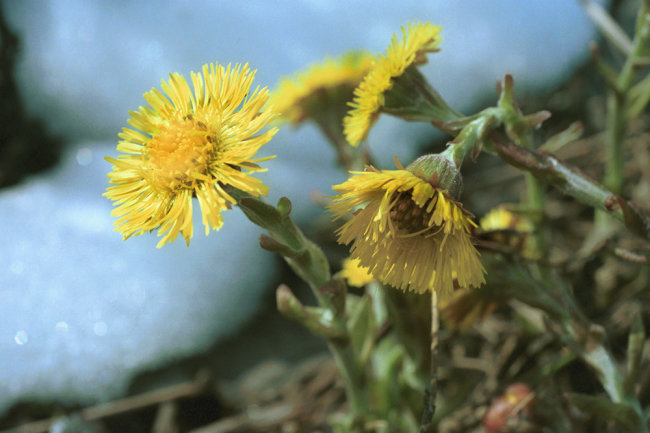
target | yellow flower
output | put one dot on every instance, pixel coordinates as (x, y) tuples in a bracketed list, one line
[(309, 92), (355, 274), (407, 231), (189, 145), (417, 40), (501, 218), (510, 229)]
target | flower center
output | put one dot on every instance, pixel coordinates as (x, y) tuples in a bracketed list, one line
[(407, 215), (179, 155)]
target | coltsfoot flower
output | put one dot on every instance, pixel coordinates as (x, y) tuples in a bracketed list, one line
[(500, 218), (511, 229), (418, 39), (408, 230), (189, 144), (322, 87)]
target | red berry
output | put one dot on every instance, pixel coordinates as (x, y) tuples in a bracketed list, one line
[(515, 402)]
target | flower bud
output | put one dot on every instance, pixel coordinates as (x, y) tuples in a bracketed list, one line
[(440, 171)]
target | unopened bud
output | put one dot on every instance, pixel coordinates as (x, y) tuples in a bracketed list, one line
[(441, 171)]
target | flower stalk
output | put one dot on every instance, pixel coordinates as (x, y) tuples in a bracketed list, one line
[(518, 129), (503, 130), (574, 183), (624, 100), (308, 261), (431, 391), (411, 97)]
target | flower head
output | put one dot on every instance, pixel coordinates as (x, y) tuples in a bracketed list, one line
[(500, 218), (323, 84), (408, 231), (510, 229), (189, 144), (417, 40)]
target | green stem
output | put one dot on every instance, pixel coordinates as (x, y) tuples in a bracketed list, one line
[(472, 134), (573, 182), (352, 375), (330, 123), (309, 262), (518, 129), (344, 151), (641, 35), (430, 394), (483, 129), (534, 201), (412, 98), (617, 103), (616, 124)]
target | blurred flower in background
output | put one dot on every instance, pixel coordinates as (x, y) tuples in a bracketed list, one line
[(321, 86)]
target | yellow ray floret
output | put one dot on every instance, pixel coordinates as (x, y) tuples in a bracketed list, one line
[(355, 274), (189, 144), (295, 95), (417, 40), (409, 233)]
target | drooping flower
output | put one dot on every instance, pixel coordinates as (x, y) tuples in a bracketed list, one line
[(189, 144), (418, 39), (407, 230), (322, 87), (355, 274)]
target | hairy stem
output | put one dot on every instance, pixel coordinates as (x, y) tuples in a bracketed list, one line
[(308, 261), (571, 181)]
